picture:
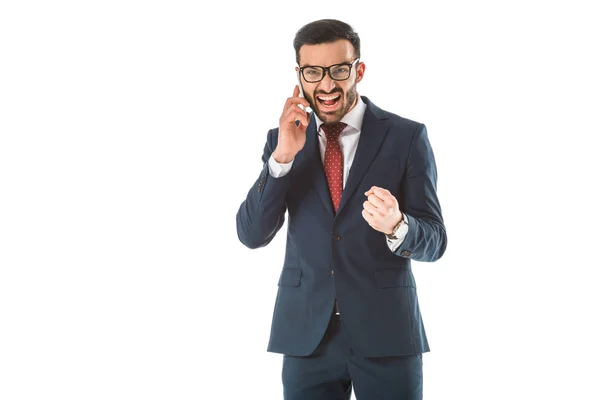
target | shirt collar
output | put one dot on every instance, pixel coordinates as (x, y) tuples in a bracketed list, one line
[(354, 118)]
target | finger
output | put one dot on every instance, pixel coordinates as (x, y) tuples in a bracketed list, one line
[(296, 91), (294, 113), (378, 192), (367, 217), (370, 191), (301, 127), (289, 111), (297, 101), (371, 209), (302, 116), (376, 201), (381, 192)]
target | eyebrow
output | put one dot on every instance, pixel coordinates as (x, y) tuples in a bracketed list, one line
[(343, 62)]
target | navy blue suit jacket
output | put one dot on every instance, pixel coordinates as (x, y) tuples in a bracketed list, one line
[(338, 255)]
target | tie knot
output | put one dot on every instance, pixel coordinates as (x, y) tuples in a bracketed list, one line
[(333, 130)]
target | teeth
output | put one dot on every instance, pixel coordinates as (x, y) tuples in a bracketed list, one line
[(335, 96)]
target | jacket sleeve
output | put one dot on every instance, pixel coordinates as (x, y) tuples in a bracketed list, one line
[(426, 238), (262, 214)]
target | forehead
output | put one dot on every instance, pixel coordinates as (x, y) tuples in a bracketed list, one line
[(326, 54)]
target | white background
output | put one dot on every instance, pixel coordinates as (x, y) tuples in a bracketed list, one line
[(131, 132)]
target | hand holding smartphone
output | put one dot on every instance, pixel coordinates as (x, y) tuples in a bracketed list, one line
[(293, 123)]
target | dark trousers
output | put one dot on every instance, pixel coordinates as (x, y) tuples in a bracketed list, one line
[(332, 370)]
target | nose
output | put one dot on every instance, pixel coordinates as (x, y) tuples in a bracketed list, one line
[(327, 84)]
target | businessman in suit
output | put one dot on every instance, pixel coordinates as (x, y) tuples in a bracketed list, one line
[(358, 185)]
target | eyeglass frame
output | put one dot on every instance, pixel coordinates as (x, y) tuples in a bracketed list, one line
[(327, 72)]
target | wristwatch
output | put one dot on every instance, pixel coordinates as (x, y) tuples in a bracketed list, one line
[(399, 230)]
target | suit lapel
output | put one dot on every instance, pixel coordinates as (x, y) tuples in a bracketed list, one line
[(372, 133)]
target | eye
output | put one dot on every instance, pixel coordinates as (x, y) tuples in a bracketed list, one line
[(312, 72), (341, 70)]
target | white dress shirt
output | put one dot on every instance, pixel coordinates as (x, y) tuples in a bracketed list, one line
[(348, 143)]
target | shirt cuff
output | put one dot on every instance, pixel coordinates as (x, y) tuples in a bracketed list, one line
[(277, 170), (401, 233)]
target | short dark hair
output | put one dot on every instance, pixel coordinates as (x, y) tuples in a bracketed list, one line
[(326, 31)]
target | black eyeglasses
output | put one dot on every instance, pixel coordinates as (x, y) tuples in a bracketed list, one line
[(337, 72)]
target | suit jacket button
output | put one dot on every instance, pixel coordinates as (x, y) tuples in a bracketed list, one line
[(336, 237), (406, 253)]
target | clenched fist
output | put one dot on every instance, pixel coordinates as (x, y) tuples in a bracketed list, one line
[(381, 210)]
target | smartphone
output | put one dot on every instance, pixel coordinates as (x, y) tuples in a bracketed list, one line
[(308, 110)]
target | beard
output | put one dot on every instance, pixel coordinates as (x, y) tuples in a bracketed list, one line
[(348, 100)]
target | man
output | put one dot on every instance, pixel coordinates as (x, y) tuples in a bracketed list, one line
[(359, 186)]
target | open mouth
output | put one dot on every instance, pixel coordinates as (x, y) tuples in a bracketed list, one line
[(329, 101)]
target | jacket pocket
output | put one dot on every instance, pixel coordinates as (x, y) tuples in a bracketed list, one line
[(290, 277), (393, 277)]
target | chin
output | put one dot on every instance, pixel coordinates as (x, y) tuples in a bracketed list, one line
[(335, 116), (330, 119)]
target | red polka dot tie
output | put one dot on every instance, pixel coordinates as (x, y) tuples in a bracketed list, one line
[(333, 162)]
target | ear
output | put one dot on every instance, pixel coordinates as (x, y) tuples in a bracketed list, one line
[(360, 71)]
